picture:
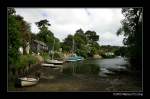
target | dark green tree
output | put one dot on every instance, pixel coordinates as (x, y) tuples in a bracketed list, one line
[(14, 36), (43, 24), (81, 43), (92, 39), (25, 32), (33, 36), (80, 39), (67, 44), (91, 36), (44, 34), (132, 30)]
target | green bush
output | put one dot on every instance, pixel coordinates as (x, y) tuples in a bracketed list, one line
[(25, 60), (45, 56), (32, 59), (57, 55), (22, 62)]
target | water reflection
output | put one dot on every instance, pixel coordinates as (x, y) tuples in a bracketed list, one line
[(99, 67), (81, 68)]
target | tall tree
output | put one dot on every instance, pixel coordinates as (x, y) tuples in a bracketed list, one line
[(80, 39), (82, 43), (91, 36), (43, 24), (14, 36), (46, 35), (25, 32), (132, 30), (68, 43)]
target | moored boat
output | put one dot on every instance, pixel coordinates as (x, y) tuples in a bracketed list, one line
[(47, 65), (74, 58), (55, 62), (26, 81), (50, 65)]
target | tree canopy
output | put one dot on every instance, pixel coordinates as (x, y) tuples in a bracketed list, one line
[(46, 35), (132, 30), (83, 44), (18, 35)]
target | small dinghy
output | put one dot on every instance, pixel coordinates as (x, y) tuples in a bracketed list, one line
[(47, 65), (51, 65), (55, 62), (26, 81)]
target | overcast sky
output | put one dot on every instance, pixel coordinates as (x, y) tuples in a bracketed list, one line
[(104, 21)]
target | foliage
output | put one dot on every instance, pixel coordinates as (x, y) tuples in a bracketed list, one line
[(46, 35), (122, 51), (91, 36), (57, 56), (57, 44), (84, 43), (45, 56), (108, 48), (25, 60), (107, 56), (33, 37), (32, 59), (18, 35), (67, 44), (13, 37), (132, 30), (43, 24), (22, 62), (82, 52)]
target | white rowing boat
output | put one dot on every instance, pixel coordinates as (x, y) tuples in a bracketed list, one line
[(50, 65), (47, 65), (26, 81), (55, 62)]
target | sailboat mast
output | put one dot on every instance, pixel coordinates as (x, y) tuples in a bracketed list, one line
[(53, 49), (73, 46)]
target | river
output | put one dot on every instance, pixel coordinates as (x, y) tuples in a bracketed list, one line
[(87, 75)]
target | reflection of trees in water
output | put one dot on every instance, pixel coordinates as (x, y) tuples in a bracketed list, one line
[(79, 68)]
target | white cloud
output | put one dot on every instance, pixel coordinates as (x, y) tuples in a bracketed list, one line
[(64, 21), (110, 39)]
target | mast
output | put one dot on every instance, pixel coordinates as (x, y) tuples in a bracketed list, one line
[(73, 46), (53, 49)]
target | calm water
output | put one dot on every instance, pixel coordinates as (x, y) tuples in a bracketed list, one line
[(96, 66), (87, 75)]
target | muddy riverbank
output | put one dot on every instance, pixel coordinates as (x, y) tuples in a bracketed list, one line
[(57, 80)]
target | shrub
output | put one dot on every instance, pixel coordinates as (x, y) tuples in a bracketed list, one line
[(45, 56), (32, 59), (57, 55), (25, 60), (22, 62)]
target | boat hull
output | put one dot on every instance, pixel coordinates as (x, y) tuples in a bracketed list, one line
[(47, 65), (24, 81), (74, 59), (51, 65), (55, 62), (28, 83)]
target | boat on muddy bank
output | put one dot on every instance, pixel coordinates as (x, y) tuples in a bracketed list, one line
[(26, 81)]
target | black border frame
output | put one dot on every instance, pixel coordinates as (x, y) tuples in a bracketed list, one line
[(53, 4)]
